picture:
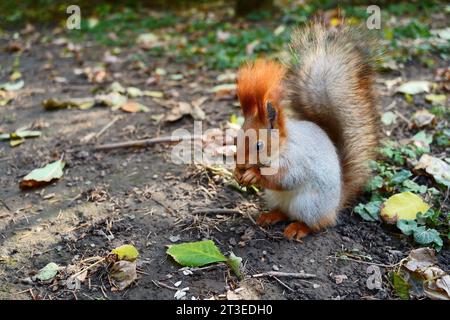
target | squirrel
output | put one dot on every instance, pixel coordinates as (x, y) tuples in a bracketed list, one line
[(323, 105)]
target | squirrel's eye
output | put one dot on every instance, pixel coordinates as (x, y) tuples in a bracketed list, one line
[(259, 145)]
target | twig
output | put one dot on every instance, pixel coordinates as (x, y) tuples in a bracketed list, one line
[(298, 275), (401, 116), (284, 284), (145, 142), (88, 267), (218, 211), (98, 134), (160, 284), (5, 205), (367, 262)]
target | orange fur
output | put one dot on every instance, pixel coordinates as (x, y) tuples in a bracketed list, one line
[(256, 84)]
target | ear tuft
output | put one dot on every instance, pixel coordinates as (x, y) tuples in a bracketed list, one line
[(271, 112), (255, 83)]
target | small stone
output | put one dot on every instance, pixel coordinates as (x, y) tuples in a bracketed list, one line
[(275, 267), (174, 238)]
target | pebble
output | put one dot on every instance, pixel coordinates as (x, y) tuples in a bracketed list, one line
[(275, 267)]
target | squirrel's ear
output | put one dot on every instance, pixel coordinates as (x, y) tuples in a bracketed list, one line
[(271, 113)]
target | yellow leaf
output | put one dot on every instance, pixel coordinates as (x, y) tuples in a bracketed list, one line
[(126, 252), (403, 206)]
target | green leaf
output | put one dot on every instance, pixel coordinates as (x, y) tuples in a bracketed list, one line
[(126, 252), (422, 141), (400, 176), (409, 185), (388, 118), (401, 287), (408, 227), (12, 86), (41, 176), (375, 183), (196, 254), (235, 264), (369, 211), (422, 235), (47, 273)]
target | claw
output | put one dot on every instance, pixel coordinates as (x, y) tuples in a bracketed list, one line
[(272, 217), (296, 230)]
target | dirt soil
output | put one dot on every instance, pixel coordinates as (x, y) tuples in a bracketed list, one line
[(138, 196)]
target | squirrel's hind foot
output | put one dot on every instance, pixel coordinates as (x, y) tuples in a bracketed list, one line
[(271, 217), (296, 230)]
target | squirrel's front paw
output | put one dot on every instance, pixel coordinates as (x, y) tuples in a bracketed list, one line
[(250, 176)]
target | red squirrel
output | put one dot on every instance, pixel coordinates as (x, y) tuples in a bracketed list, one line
[(323, 104)]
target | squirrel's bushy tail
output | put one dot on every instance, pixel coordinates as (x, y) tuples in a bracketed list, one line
[(330, 82)]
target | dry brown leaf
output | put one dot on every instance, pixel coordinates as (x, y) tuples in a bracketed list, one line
[(123, 273), (423, 118), (435, 167), (132, 107)]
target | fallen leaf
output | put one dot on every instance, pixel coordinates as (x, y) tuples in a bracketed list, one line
[(402, 206), (229, 76), (442, 33), (112, 99), (116, 87), (422, 140), (123, 273), (132, 107), (435, 282), (420, 258), (422, 118), (224, 90), (6, 97), (134, 92), (79, 103), (47, 273), (401, 286), (45, 175), (196, 254), (436, 99), (414, 87), (126, 252), (153, 94), (182, 109), (176, 77), (437, 168), (235, 264), (20, 134), (340, 278), (12, 86), (147, 40), (389, 118)]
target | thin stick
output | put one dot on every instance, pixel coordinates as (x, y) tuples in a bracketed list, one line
[(5, 205), (366, 262), (401, 116), (299, 275), (160, 284), (145, 142), (98, 134), (88, 267), (218, 211), (284, 284)]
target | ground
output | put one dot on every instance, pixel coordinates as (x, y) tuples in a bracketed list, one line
[(138, 196)]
